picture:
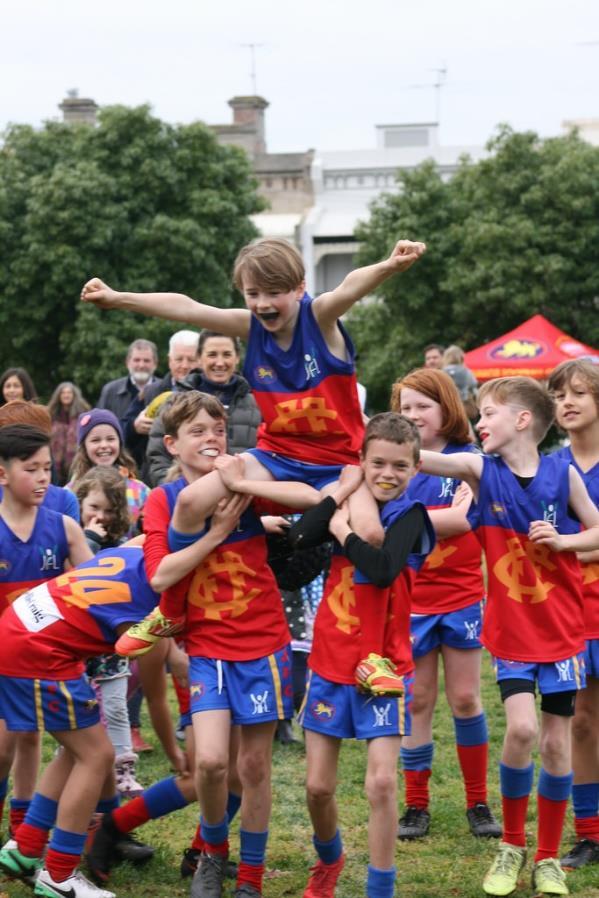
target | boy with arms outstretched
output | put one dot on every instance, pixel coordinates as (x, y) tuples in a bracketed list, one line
[(299, 363), (533, 622)]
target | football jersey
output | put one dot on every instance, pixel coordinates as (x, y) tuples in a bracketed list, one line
[(25, 563), (534, 611), (308, 398), (336, 647), (233, 607), (451, 577), (590, 572), (49, 630), (60, 499)]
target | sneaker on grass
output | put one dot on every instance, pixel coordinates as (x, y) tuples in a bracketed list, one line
[(502, 876), (414, 824), (208, 878), (76, 886), (548, 878), (323, 879), (17, 865), (586, 851), (482, 822)]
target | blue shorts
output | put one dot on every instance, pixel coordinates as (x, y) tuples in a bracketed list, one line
[(184, 721), (339, 710), (53, 705), (591, 658), (255, 691), (283, 468), (554, 676), (457, 629)]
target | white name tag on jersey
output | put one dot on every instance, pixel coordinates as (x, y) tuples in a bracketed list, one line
[(36, 609)]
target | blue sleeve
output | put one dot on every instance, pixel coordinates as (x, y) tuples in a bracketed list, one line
[(71, 506), (177, 541)]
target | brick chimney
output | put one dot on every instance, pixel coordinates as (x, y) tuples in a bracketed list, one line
[(248, 112), (76, 109)]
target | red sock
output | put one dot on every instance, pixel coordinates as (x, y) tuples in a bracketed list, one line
[(416, 783), (373, 621), (587, 828), (514, 818), (250, 874), (60, 865), (198, 843), (131, 815), (16, 816), (31, 840), (550, 825), (473, 763), (221, 849)]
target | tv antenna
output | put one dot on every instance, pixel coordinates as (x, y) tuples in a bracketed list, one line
[(252, 48), (437, 85)]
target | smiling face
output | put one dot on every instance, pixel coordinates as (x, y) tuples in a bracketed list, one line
[(575, 406), (499, 423), (181, 360), (12, 388), (141, 364), (388, 468), (102, 445), (426, 414), (197, 443), (28, 480), (276, 310), (219, 359), (66, 396)]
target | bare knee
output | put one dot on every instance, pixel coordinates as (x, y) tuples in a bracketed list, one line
[(253, 768), (319, 791), (381, 786), (554, 750), (465, 703), (584, 725), (212, 768), (522, 734)]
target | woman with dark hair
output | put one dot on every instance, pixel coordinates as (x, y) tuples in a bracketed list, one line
[(65, 406), (15, 383)]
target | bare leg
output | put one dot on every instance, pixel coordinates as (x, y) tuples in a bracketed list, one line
[(424, 700), (254, 762), (211, 730), (322, 756), (381, 791)]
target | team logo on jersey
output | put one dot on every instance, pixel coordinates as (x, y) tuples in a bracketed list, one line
[(311, 365), (549, 513), (207, 584), (260, 703), (342, 599), (381, 715), (471, 629), (521, 571), (90, 705), (518, 349), (49, 559), (447, 488), (5, 566), (323, 709), (497, 509), (564, 671), (196, 690), (265, 374), (439, 554), (310, 412)]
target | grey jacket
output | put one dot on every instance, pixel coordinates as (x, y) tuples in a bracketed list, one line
[(243, 418)]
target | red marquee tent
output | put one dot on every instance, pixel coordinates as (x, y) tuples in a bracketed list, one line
[(533, 348)]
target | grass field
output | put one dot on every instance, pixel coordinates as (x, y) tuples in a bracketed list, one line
[(449, 862)]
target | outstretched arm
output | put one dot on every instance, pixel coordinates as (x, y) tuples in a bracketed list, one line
[(287, 493), (466, 466), (174, 306), (329, 307)]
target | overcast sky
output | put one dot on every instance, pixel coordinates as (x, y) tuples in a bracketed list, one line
[(331, 69)]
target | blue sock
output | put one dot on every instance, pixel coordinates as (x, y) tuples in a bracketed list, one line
[(105, 805), (380, 883), (164, 797), (66, 842), (3, 788), (420, 758), (215, 834), (233, 805), (330, 851), (42, 812), (555, 788), (471, 730), (20, 804), (516, 782), (252, 848), (585, 800)]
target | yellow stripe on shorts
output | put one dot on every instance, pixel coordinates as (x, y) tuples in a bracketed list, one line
[(39, 710), (576, 666), (301, 712), (70, 705), (276, 681), (401, 713)]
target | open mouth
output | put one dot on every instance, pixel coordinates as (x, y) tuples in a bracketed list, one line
[(210, 453), (268, 316), (387, 486)]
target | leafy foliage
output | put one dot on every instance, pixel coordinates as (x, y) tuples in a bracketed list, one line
[(142, 204), (509, 236)]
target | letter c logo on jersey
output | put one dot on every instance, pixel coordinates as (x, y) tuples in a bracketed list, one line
[(229, 570), (342, 599), (520, 570)]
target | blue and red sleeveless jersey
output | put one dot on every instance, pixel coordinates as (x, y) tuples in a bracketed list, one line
[(308, 398), (590, 572), (233, 605), (25, 563), (534, 611), (60, 499), (451, 577), (75, 616), (336, 647)]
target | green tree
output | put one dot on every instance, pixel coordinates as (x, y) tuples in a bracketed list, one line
[(143, 204), (509, 236)]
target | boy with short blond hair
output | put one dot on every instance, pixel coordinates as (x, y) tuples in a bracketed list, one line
[(533, 622)]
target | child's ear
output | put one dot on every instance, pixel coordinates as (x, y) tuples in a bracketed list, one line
[(523, 419), (301, 289), (171, 444), (3, 475)]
